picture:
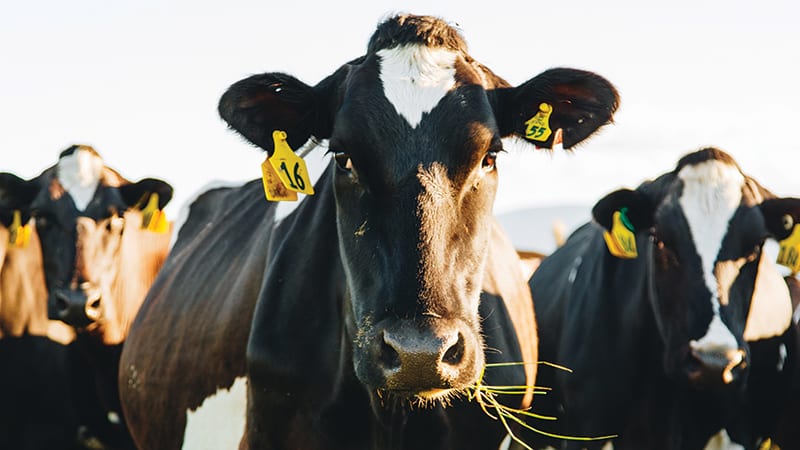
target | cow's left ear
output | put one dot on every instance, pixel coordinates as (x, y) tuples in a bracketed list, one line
[(638, 209), (137, 194), (781, 216), (574, 101)]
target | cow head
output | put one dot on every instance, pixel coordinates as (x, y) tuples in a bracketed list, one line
[(89, 219), (415, 128), (707, 223)]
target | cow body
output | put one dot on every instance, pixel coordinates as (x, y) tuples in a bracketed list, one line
[(671, 349), (96, 263), (364, 318)]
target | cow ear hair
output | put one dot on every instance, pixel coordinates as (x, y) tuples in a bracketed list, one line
[(258, 105), (17, 193), (138, 193), (781, 215), (639, 209), (581, 103)]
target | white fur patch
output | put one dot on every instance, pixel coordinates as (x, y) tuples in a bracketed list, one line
[(219, 422), (712, 191), (79, 174), (721, 441), (416, 77)]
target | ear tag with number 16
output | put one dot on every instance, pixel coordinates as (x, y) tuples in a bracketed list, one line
[(291, 169)]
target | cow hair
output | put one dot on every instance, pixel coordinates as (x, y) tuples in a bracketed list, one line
[(406, 29)]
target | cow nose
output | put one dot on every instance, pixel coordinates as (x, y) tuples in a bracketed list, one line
[(422, 360), (76, 309), (716, 367)]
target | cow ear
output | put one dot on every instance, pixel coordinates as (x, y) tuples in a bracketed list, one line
[(137, 194), (781, 216), (574, 101), (16, 193), (258, 105), (638, 209)]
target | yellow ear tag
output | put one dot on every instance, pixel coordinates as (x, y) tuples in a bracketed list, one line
[(621, 241), (291, 169), (19, 234), (789, 253), (539, 125), (154, 219), (273, 187)]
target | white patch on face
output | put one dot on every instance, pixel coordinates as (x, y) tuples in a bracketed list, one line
[(609, 446), (219, 422), (79, 174), (416, 77), (721, 441), (712, 191)]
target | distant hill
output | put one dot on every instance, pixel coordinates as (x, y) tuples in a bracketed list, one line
[(532, 229)]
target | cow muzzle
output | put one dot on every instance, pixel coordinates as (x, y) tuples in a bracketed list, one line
[(425, 361), (715, 368), (78, 308)]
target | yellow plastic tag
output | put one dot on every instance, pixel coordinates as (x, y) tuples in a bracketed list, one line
[(154, 219), (273, 187), (539, 125), (621, 241), (789, 253), (19, 234), (291, 169)]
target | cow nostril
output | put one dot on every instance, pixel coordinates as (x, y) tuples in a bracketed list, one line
[(388, 355), (455, 353), (61, 303), (95, 304)]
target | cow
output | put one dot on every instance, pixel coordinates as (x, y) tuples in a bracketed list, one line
[(103, 239), (365, 317), (669, 320)]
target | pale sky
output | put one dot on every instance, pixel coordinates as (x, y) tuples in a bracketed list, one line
[(140, 81)]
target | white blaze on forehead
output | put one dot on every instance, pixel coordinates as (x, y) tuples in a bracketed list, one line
[(416, 77), (79, 174), (712, 191), (721, 441)]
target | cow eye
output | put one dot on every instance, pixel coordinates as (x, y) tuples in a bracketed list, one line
[(788, 222), (489, 160), (343, 161)]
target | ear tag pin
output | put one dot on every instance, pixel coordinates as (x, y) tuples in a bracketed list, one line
[(19, 234), (789, 253), (538, 126), (154, 219), (621, 241)]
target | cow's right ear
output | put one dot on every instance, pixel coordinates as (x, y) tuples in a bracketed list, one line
[(638, 209), (258, 105), (138, 194), (16, 193)]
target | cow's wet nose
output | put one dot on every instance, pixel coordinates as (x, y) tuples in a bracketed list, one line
[(716, 367), (76, 308), (421, 360)]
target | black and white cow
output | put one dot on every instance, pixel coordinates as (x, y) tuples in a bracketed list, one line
[(98, 259), (345, 319), (671, 349)]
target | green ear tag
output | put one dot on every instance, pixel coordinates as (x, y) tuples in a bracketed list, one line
[(789, 253), (621, 241), (539, 125), (19, 234), (291, 169)]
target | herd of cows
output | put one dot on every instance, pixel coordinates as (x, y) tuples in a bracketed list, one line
[(389, 308)]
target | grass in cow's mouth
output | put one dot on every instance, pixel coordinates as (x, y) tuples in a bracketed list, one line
[(486, 396)]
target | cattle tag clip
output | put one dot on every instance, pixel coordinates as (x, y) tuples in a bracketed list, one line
[(539, 125), (287, 172), (789, 253), (19, 234), (621, 241), (154, 219)]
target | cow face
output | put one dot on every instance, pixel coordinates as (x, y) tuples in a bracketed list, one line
[(415, 127), (707, 224), (81, 210)]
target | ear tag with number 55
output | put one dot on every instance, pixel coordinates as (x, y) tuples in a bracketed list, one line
[(621, 241), (538, 126)]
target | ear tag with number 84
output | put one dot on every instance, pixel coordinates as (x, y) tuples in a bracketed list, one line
[(284, 173), (789, 254), (621, 241)]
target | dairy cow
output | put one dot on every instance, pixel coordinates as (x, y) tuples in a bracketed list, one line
[(103, 239), (362, 319), (676, 329)]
